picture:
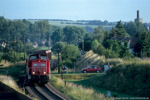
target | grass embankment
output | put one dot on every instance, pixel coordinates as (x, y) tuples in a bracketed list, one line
[(76, 92), (132, 77), (10, 75), (83, 80), (5, 64), (77, 76)]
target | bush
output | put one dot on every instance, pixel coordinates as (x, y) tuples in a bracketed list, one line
[(17, 56), (115, 61), (68, 63)]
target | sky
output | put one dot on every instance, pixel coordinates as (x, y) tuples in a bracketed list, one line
[(111, 10)]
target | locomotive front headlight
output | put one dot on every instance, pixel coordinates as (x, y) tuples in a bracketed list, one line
[(33, 72), (44, 72)]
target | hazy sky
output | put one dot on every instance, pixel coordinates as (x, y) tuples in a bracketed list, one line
[(111, 10)]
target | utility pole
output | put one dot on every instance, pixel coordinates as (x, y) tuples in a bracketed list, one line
[(4, 50), (82, 45), (14, 46), (49, 43), (24, 47), (58, 62)]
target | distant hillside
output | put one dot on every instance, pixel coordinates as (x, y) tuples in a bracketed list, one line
[(89, 25)]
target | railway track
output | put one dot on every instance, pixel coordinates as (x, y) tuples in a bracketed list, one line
[(45, 92)]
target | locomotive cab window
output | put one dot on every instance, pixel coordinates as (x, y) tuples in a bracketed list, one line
[(33, 57), (43, 57), (35, 65), (43, 64)]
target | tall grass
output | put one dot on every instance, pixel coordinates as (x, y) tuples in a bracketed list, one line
[(78, 76), (76, 92), (9, 81), (5, 64)]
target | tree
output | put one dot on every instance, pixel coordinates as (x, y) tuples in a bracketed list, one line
[(101, 50), (73, 34), (134, 29), (119, 31), (58, 46), (143, 46), (125, 52), (98, 34), (87, 42), (131, 28), (70, 52), (57, 36), (95, 45)]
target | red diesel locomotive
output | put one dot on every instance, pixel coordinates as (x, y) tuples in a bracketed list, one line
[(38, 67)]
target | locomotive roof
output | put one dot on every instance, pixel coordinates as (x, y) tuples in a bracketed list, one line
[(42, 52)]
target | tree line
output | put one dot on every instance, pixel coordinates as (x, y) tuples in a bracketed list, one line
[(22, 35)]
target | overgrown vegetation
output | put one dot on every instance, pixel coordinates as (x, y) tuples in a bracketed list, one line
[(130, 77), (11, 73), (76, 92), (78, 76), (14, 70)]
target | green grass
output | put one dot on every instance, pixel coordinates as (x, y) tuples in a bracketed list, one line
[(43, 48), (15, 70), (82, 79), (87, 83), (77, 76), (76, 92)]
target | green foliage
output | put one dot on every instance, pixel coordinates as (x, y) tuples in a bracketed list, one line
[(70, 52), (125, 52), (15, 56), (95, 45), (78, 76), (111, 54), (142, 48), (58, 46), (131, 28), (15, 71), (98, 34), (67, 63), (129, 78), (132, 75), (0, 56), (73, 34), (76, 92), (87, 44), (57, 36), (101, 50), (119, 31)]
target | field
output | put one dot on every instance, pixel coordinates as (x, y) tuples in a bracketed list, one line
[(64, 23)]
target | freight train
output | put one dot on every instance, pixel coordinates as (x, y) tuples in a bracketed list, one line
[(38, 67)]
